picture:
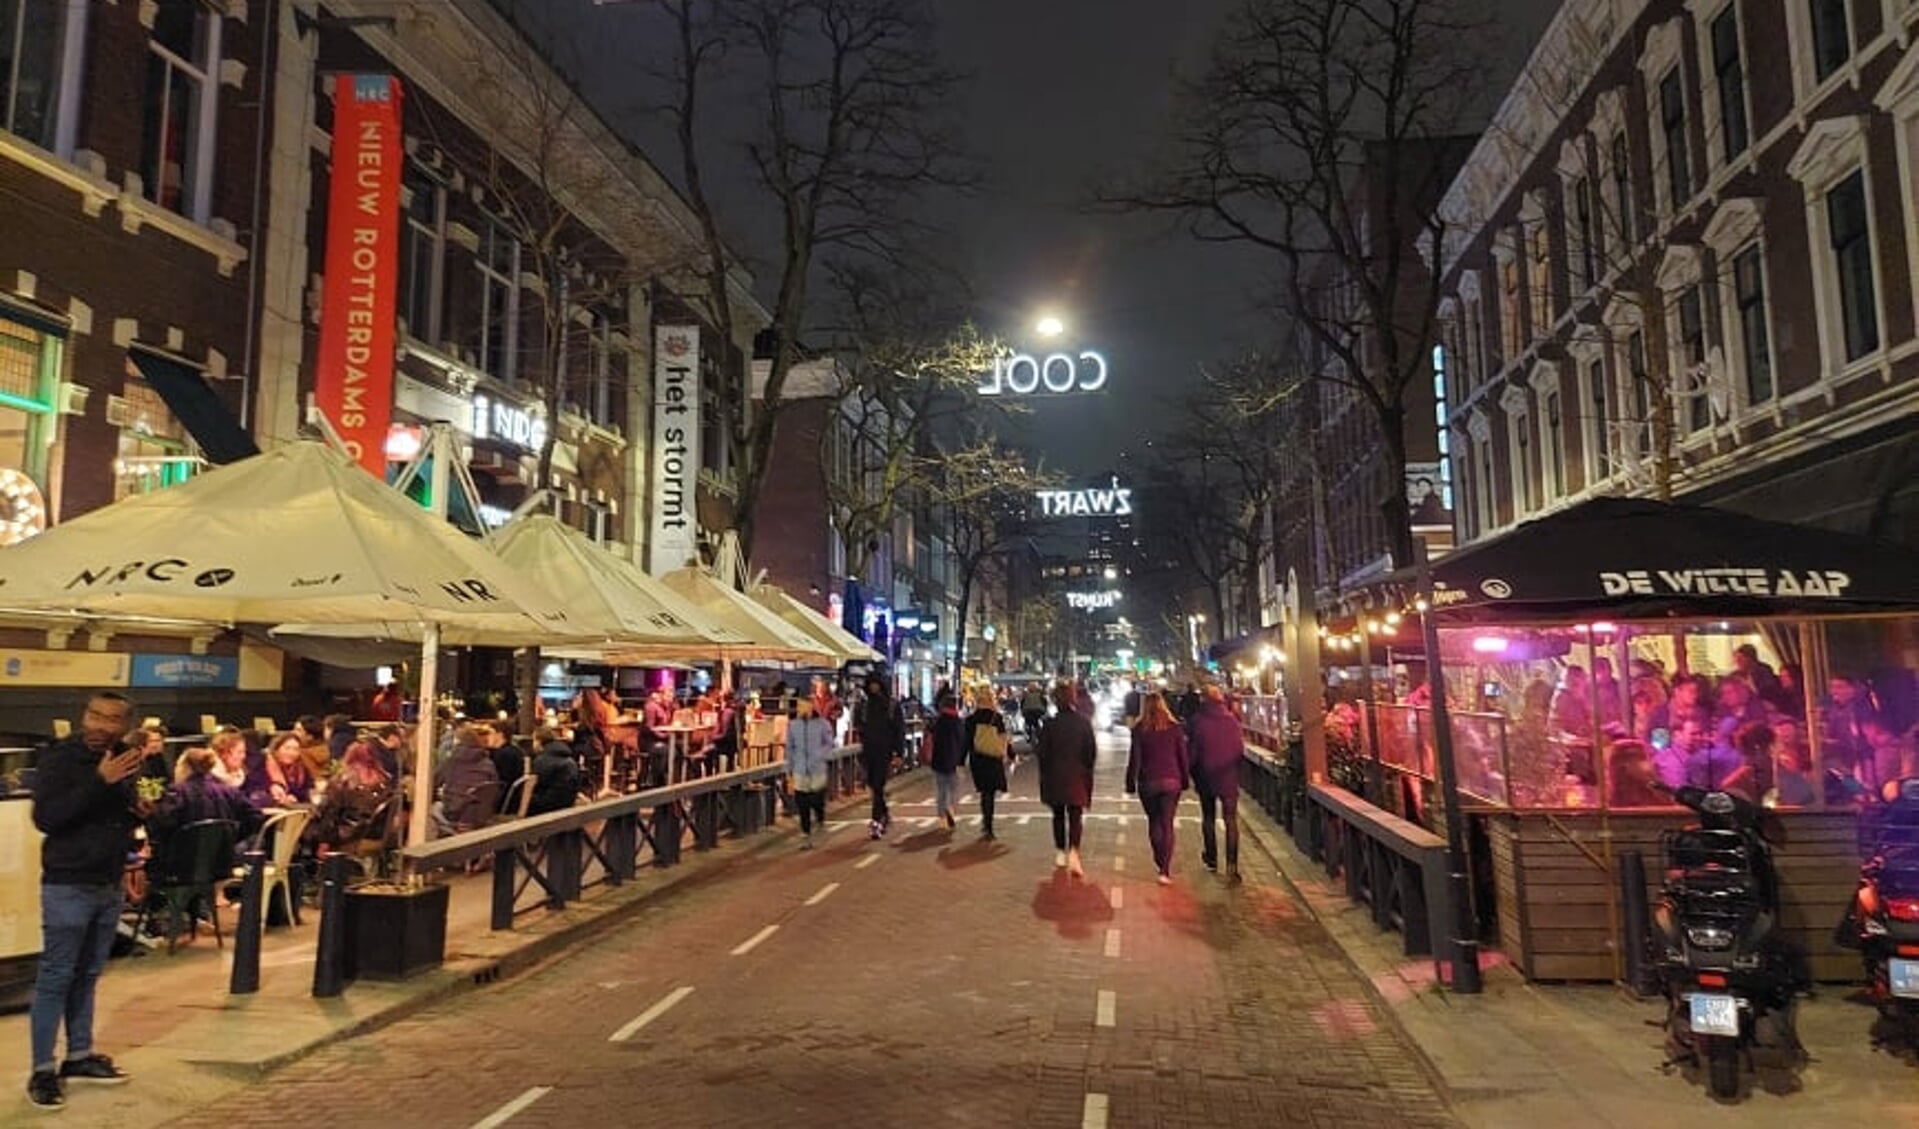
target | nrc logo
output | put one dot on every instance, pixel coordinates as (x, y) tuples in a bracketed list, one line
[(372, 88)]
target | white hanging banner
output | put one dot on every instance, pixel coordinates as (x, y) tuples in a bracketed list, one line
[(674, 530)]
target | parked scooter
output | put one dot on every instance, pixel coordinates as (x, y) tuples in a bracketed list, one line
[(1720, 961), (1883, 920)]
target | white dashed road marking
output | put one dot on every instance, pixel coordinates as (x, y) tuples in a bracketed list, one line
[(753, 942), (1112, 942), (869, 860), (651, 1014), (826, 892), (1103, 1012), (505, 1113), (1094, 1116)]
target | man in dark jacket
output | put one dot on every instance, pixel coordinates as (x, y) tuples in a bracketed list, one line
[(84, 803), (882, 737), (1218, 746), (556, 774)]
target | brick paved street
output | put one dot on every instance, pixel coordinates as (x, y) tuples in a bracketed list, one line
[(928, 979)]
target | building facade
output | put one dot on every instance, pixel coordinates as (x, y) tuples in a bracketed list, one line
[(128, 216), (1680, 264)]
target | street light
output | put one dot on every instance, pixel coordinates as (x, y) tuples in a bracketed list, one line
[(1049, 325)]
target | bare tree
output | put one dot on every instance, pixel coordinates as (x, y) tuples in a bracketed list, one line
[(852, 127), (986, 494), (908, 364), (1312, 134)]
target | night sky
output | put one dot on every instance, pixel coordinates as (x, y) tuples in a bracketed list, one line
[(1065, 95)]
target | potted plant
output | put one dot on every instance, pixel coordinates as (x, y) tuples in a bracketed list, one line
[(395, 928)]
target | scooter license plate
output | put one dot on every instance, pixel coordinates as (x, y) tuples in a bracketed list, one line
[(1715, 1015), (1902, 977)]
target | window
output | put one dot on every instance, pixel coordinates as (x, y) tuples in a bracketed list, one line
[(37, 40), (1727, 67), (599, 369), (1599, 437), (1475, 338), (1583, 219), (182, 98), (497, 343), (154, 451), (1831, 36), (422, 255), (1511, 328), (1522, 468), (1483, 485), (599, 522), (1622, 190), (1851, 235), (1672, 124), (1540, 281), (1640, 381), (1755, 337), (29, 373), (1553, 445), (1692, 358)]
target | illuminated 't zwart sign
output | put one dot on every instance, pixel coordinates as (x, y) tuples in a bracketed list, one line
[(1022, 374), (1114, 501)]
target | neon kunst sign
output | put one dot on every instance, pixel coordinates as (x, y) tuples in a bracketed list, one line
[(1023, 374), (1092, 601)]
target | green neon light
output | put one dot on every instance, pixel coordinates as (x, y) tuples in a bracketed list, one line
[(8, 399)]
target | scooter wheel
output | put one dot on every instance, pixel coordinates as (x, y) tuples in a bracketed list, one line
[(1722, 1068)]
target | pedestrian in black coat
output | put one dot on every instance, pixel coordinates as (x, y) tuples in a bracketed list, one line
[(882, 737), (1066, 753), (556, 775), (987, 747)]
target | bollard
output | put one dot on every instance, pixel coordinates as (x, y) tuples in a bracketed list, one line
[(1633, 916), (329, 961), (245, 978), (666, 834)]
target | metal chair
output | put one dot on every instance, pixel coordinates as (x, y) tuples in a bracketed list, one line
[(182, 873), (519, 796), (280, 838)]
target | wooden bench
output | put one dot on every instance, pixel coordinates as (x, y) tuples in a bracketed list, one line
[(1397, 868)]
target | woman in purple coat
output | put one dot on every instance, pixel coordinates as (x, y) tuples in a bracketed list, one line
[(1158, 771), (1218, 747)]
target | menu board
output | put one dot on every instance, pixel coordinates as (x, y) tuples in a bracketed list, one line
[(19, 879)]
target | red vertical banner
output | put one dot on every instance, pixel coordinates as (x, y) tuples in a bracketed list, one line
[(354, 388)]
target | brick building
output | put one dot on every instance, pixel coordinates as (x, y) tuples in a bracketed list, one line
[(127, 251), (1681, 258)]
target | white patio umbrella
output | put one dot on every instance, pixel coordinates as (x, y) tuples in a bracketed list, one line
[(766, 635), (842, 646), (299, 534)]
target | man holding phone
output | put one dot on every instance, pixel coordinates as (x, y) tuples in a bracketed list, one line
[(84, 803)]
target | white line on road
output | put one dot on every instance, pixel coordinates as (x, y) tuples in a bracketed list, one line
[(869, 860), (651, 1014), (826, 892), (1095, 1115), (1117, 900), (505, 1113), (1119, 840), (753, 942), (1103, 1010), (1119, 863), (1112, 942)]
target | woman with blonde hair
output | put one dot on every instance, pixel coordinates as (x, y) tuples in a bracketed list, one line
[(986, 749)]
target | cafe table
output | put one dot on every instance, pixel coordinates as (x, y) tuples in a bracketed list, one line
[(679, 742)]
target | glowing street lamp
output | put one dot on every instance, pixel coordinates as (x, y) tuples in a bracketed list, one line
[(1049, 325)]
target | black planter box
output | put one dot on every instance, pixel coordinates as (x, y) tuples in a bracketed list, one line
[(392, 934)]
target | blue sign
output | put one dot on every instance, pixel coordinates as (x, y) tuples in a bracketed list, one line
[(217, 671)]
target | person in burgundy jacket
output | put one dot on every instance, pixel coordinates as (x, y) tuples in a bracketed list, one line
[(1218, 747), (1158, 771)]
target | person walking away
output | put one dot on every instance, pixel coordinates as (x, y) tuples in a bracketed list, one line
[(986, 746), (949, 750), (1066, 752), (882, 737), (1032, 708), (1217, 749), (1157, 771), (84, 803), (809, 741)]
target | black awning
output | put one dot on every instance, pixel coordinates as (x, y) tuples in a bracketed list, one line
[(197, 406), (1633, 558)]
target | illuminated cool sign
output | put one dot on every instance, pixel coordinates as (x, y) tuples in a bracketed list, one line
[(1023, 374), (1113, 501)]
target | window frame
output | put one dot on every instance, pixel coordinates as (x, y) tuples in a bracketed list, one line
[(1690, 351), (1731, 110), (1742, 315), (1869, 318), (491, 277), (203, 117), (1675, 148), (432, 333), (1850, 37), (69, 72)]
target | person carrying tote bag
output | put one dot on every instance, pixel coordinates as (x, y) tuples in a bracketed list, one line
[(986, 745)]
